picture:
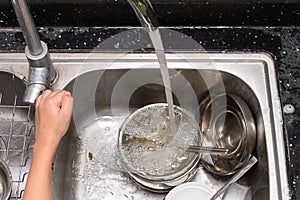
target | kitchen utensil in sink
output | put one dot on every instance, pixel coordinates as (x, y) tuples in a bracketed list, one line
[(209, 150), (153, 156), (236, 177), (237, 192), (227, 122)]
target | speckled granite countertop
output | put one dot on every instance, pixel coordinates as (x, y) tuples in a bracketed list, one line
[(271, 26), (283, 43)]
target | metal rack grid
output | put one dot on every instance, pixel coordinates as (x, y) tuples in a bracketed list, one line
[(17, 135)]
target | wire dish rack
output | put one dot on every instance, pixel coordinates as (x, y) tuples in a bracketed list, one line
[(16, 131)]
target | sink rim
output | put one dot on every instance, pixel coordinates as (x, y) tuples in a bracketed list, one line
[(247, 60)]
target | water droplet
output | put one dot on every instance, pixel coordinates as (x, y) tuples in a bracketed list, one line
[(288, 109), (117, 45)]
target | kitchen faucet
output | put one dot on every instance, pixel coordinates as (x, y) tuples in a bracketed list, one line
[(41, 71)]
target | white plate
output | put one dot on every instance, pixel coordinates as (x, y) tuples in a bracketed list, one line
[(191, 191)]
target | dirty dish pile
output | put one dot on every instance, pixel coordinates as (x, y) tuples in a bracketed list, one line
[(156, 158)]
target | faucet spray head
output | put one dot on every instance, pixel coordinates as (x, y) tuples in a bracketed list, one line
[(145, 12)]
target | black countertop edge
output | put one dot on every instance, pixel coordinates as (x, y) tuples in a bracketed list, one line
[(169, 12), (283, 43)]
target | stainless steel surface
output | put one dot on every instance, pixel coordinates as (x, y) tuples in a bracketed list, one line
[(249, 124), (164, 186), (41, 74), (236, 177), (41, 71), (228, 128), (227, 122), (86, 166), (28, 27), (5, 181), (145, 13), (16, 130), (210, 150), (152, 153)]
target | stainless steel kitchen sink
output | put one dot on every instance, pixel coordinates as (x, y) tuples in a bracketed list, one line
[(108, 86)]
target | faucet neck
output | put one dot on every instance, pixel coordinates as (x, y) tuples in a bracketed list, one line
[(145, 12), (27, 26), (41, 71)]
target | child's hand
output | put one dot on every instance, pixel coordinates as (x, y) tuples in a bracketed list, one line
[(52, 118)]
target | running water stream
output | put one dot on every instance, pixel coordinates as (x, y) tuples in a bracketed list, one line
[(160, 53)]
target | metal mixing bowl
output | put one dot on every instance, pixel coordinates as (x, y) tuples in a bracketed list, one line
[(153, 156), (229, 132), (5, 181), (227, 122)]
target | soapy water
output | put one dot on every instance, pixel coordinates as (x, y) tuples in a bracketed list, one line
[(97, 171), (98, 141), (149, 147)]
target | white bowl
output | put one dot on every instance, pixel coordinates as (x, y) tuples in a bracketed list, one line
[(191, 191)]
